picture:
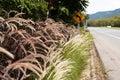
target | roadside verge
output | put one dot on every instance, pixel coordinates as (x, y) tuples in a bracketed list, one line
[(95, 69)]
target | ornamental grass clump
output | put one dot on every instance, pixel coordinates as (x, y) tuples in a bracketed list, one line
[(77, 50), (31, 50)]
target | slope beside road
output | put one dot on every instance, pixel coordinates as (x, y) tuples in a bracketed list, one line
[(107, 42)]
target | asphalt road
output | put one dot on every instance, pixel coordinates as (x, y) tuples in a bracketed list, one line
[(107, 42)]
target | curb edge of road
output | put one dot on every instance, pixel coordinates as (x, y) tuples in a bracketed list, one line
[(98, 73)]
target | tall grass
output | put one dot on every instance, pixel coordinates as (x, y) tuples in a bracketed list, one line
[(70, 60), (77, 50), (58, 68), (30, 50)]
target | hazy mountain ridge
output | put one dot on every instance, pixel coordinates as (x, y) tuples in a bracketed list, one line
[(104, 14)]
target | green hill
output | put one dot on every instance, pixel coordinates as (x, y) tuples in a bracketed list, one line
[(104, 14)]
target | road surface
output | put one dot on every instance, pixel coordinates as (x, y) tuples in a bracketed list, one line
[(107, 42)]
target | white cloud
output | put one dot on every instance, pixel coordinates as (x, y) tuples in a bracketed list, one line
[(92, 1)]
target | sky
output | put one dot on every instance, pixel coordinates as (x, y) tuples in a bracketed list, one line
[(102, 5)]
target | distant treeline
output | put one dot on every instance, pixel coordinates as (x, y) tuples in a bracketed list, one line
[(112, 21)]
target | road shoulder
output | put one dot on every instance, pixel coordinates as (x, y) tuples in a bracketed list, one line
[(94, 70)]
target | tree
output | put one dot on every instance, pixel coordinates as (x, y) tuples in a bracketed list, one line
[(32, 8), (58, 9), (112, 21), (64, 9)]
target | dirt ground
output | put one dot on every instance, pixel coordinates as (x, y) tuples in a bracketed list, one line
[(94, 70)]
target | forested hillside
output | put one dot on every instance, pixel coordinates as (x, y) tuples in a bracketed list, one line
[(112, 21), (104, 14)]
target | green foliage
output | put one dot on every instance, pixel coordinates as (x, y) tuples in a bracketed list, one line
[(32, 8), (112, 21), (63, 9), (35, 9)]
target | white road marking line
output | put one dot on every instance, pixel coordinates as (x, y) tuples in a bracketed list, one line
[(113, 36), (109, 35)]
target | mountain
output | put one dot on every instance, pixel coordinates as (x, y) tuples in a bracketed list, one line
[(104, 14)]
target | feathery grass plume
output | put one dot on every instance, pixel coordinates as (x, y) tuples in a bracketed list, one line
[(1, 19), (11, 13), (6, 52), (27, 65), (77, 50), (58, 68), (1, 37), (4, 13), (72, 45), (30, 44), (63, 70), (19, 14), (22, 23)]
